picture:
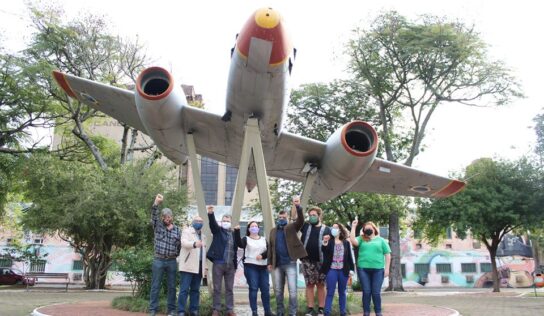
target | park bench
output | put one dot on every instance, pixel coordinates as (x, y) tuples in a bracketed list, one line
[(49, 278)]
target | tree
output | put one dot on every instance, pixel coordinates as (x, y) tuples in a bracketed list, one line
[(82, 47), (95, 211), (410, 68), (500, 197), (539, 129), (23, 105)]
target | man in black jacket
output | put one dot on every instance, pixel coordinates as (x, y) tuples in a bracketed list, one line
[(222, 253)]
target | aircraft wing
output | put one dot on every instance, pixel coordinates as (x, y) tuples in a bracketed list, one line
[(291, 154), (115, 102), (382, 177), (391, 178)]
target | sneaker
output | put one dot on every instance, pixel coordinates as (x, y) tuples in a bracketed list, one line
[(171, 314), (310, 312), (254, 313), (152, 313), (181, 314), (320, 311)]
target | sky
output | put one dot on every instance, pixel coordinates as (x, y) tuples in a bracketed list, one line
[(193, 40)]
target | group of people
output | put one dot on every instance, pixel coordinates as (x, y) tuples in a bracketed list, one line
[(326, 256)]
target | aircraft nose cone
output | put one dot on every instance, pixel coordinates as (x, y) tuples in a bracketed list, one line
[(267, 18), (265, 24)]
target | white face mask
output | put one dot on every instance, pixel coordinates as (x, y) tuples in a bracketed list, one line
[(225, 225)]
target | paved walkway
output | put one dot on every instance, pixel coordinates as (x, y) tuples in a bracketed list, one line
[(99, 308)]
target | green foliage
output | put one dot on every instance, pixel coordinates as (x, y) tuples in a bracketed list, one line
[(96, 211), (539, 129), (135, 263), (141, 304), (410, 67), (500, 196)]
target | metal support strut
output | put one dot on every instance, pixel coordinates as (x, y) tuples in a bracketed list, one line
[(199, 193)]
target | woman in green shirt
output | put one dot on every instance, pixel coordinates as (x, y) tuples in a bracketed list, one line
[(372, 264)]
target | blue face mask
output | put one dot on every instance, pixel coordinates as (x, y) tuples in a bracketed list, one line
[(335, 232), (281, 222), (197, 226)]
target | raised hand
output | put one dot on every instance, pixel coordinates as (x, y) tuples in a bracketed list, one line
[(296, 200), (326, 239), (158, 199), (354, 223), (210, 209)]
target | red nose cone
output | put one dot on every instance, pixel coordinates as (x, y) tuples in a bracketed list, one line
[(265, 24)]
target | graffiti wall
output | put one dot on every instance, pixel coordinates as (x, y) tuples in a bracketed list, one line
[(465, 263)]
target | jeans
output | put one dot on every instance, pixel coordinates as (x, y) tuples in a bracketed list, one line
[(371, 281), (189, 281), (335, 276), (158, 268), (258, 278), (220, 271), (280, 273)]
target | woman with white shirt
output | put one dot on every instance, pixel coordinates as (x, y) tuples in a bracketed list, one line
[(255, 265)]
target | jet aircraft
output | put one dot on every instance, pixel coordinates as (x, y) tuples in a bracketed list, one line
[(261, 64)]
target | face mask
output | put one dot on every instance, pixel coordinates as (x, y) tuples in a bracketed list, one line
[(225, 225), (314, 220), (254, 230), (281, 222), (335, 232), (368, 232), (197, 226)]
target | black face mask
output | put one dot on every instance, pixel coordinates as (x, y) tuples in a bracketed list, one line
[(368, 232)]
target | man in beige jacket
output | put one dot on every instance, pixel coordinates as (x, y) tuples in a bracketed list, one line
[(192, 264)]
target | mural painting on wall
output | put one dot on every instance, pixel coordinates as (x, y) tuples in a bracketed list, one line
[(465, 266)]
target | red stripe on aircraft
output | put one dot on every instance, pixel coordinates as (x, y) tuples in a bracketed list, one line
[(453, 187), (61, 80), (281, 46)]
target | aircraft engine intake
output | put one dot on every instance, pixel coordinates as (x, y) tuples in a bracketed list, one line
[(159, 103), (350, 151)]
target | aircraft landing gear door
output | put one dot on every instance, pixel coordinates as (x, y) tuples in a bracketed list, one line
[(200, 202)]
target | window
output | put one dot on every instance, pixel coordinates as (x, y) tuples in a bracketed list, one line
[(230, 184), (38, 240), (37, 266), (419, 246), (6, 262), (403, 270), (448, 246), (421, 268), (77, 265), (384, 232), (448, 233), (443, 267), (485, 267), (208, 171), (468, 267)]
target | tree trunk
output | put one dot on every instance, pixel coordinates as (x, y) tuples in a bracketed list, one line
[(496, 281), (395, 274)]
